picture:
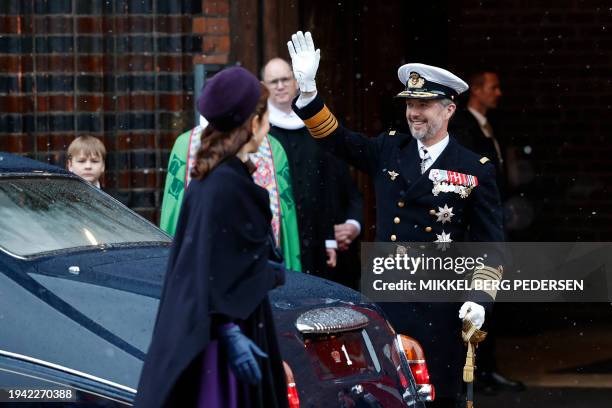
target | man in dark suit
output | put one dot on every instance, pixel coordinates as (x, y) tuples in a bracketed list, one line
[(472, 128), (428, 188)]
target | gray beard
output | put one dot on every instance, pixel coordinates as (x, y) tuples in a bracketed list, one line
[(427, 133)]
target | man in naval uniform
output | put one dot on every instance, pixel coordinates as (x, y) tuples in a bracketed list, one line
[(428, 188)]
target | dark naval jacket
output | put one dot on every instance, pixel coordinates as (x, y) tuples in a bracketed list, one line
[(406, 204), (408, 210)]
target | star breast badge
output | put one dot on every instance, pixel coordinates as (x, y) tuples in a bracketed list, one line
[(393, 175), (445, 214), (443, 240)]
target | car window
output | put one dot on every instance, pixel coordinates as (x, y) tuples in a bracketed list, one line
[(65, 213)]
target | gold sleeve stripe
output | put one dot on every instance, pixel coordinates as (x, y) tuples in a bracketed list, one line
[(322, 124), (324, 129), (488, 273), (317, 129)]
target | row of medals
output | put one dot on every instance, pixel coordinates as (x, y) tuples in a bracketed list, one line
[(443, 187)]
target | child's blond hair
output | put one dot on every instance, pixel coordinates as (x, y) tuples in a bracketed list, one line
[(88, 145)]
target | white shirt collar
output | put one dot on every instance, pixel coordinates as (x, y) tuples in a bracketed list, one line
[(434, 150), (482, 119), (284, 120)]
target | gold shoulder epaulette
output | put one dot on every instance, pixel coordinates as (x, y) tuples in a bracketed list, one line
[(322, 124), (483, 160), (392, 132)]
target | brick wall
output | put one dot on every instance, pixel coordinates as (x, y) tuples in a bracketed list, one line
[(555, 65), (121, 70)]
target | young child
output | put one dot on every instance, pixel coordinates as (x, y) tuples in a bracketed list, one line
[(85, 158)]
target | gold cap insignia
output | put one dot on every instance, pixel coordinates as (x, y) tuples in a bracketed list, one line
[(415, 81), (483, 160)]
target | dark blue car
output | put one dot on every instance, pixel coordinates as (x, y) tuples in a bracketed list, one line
[(80, 280)]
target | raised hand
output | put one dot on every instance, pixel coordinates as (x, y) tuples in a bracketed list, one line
[(305, 60)]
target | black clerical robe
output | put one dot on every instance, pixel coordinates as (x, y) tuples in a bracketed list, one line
[(325, 194)]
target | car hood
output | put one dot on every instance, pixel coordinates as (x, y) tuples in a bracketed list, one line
[(81, 308)]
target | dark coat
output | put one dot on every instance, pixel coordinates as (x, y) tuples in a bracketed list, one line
[(219, 270), (404, 205), (325, 194), (465, 128)]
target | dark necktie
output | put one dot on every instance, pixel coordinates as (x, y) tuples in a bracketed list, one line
[(425, 158)]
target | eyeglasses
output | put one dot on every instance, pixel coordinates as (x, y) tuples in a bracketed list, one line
[(278, 81)]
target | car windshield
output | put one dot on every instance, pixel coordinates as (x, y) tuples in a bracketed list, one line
[(42, 214)]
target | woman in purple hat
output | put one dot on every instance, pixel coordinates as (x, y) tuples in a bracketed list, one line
[(214, 343)]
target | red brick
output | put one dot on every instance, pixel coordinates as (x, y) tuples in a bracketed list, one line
[(211, 25), (10, 25), (214, 44), (15, 64), (55, 142), (136, 179), (211, 59), (172, 63), (134, 24), (16, 143), (128, 141), (90, 63), (110, 102), (50, 63), (108, 62), (89, 25), (108, 24), (173, 25), (216, 7), (16, 104), (175, 102), (90, 103), (198, 25), (51, 103), (136, 102)]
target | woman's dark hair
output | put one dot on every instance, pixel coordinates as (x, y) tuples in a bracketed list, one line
[(217, 145)]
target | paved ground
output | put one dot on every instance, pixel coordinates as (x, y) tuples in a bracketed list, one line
[(568, 365), (545, 397)]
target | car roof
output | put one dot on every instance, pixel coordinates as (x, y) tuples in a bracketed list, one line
[(11, 163)]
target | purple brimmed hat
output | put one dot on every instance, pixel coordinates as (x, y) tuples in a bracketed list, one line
[(229, 98)]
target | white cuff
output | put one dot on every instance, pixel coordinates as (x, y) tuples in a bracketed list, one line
[(355, 223), (331, 244), (304, 99)]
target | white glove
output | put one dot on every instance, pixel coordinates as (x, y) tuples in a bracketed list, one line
[(473, 312), (305, 60)]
